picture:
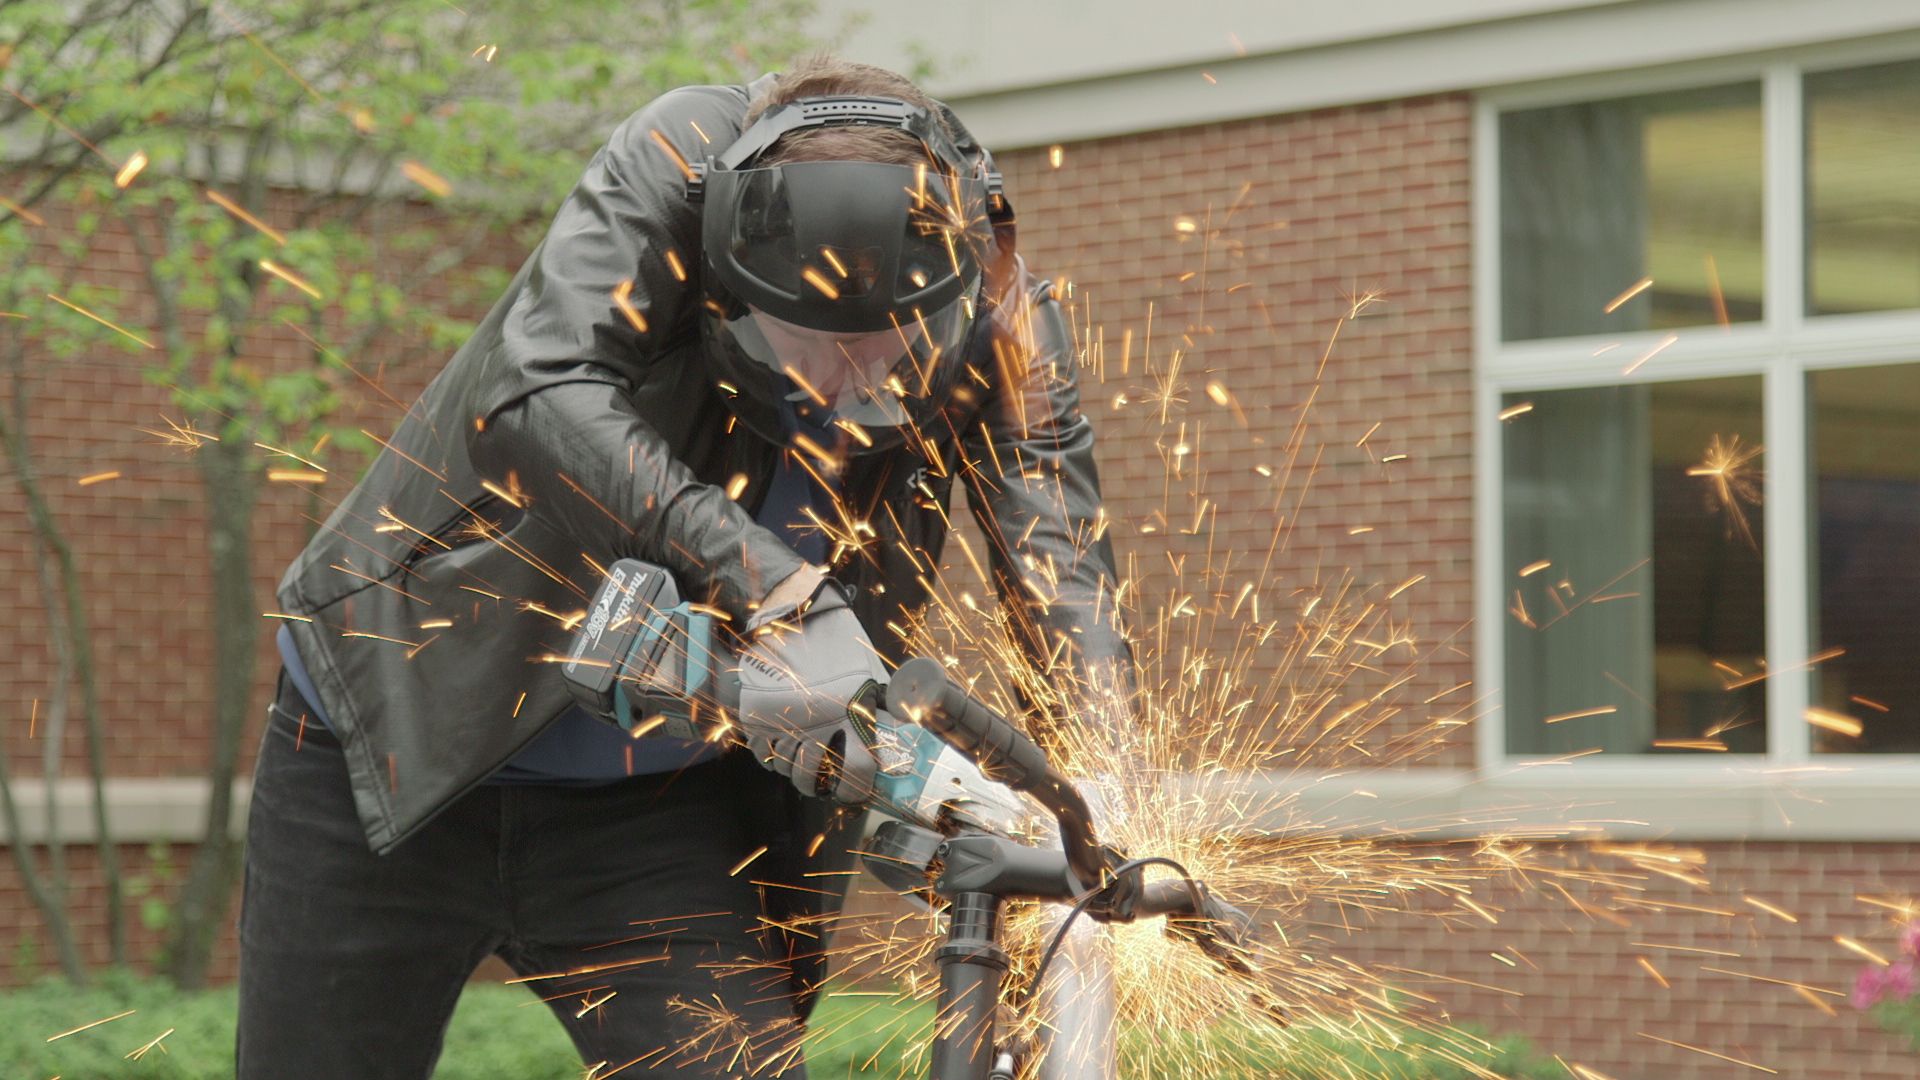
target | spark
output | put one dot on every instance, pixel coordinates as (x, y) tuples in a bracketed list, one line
[(63, 302), (286, 616), (426, 178), (1535, 567), (819, 281), (1650, 354), (1512, 411), (1858, 949), (21, 212), (1633, 290), (1834, 721), (1655, 972), (1709, 1053), (295, 476), (622, 294), (290, 454), (1719, 296), (748, 861), (1602, 710), (130, 170), (660, 140), (136, 1055), (98, 478), (92, 1024), (289, 277), (1734, 485), (1056, 154)]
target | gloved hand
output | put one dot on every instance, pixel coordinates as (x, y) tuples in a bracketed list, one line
[(802, 679)]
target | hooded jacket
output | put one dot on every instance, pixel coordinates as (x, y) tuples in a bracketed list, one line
[(579, 425)]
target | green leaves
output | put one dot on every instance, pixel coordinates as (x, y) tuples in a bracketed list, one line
[(274, 225)]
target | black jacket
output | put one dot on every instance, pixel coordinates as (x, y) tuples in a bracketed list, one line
[(563, 436)]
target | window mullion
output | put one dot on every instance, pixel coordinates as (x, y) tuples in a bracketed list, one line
[(1785, 420), (1785, 512), (1784, 198)]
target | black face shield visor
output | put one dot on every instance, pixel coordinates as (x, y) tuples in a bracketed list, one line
[(845, 290)]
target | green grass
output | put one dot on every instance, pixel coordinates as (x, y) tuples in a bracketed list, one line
[(493, 1036)]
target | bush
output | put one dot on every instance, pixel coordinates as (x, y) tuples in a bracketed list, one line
[(495, 1033)]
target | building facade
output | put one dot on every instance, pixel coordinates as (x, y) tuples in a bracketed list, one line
[(1627, 297), (1519, 287)]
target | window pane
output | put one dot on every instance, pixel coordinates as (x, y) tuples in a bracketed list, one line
[(1863, 198), (1596, 197), (1636, 613), (1865, 441)]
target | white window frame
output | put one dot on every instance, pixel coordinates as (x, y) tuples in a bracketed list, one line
[(1782, 349)]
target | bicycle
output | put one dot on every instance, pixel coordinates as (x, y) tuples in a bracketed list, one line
[(976, 873)]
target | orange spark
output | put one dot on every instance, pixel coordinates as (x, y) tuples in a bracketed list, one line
[(295, 476), (1633, 290), (819, 281), (433, 182), (1601, 711), (1056, 154), (1718, 295), (1834, 721), (116, 329), (1855, 947), (98, 478), (748, 861), (661, 141), (289, 277), (1535, 567), (240, 212), (621, 292), (94, 1024), (136, 1055), (130, 170), (1512, 411), (1651, 353), (1735, 485), (1709, 1053), (22, 212), (1655, 972)]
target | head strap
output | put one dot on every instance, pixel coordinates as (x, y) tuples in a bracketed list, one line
[(842, 111)]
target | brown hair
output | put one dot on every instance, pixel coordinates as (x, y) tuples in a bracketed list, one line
[(824, 74)]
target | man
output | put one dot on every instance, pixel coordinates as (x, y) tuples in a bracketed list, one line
[(724, 343)]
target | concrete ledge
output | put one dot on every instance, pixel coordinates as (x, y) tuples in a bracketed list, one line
[(139, 810), (1809, 805), (1815, 804)]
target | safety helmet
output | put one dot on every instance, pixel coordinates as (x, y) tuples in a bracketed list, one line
[(842, 294)]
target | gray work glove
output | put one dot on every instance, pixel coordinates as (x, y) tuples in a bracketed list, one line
[(804, 684)]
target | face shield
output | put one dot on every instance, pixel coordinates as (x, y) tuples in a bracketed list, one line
[(843, 292)]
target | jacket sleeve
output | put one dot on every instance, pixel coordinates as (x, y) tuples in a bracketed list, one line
[(1035, 492), (605, 295)]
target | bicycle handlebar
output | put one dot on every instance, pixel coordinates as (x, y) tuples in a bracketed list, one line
[(921, 692)]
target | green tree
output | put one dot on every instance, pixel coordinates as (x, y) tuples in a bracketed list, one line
[(312, 173)]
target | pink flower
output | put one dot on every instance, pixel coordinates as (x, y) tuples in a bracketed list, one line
[(1910, 939), (1869, 988), (1898, 982)]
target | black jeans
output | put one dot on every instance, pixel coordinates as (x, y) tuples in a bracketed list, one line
[(620, 897)]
